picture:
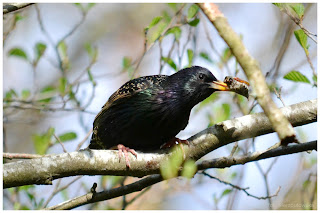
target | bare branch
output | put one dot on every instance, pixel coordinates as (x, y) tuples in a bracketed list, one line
[(242, 189)]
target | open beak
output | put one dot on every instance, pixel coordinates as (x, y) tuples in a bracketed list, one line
[(219, 85)]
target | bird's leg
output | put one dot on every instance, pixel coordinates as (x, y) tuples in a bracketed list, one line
[(172, 142), (175, 141), (124, 150)]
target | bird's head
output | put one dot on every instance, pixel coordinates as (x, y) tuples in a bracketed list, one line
[(197, 83)]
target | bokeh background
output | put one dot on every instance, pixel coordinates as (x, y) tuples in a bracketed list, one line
[(116, 33)]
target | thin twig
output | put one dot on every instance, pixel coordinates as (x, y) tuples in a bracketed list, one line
[(58, 139), (242, 189)]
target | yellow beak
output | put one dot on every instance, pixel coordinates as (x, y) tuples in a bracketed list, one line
[(219, 85)]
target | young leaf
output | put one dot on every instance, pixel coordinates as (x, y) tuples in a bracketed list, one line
[(189, 169), (225, 192), (10, 94), (302, 39), (89, 6), (46, 94), (94, 83), (63, 52), (194, 22), (170, 62), (176, 31), (18, 17), (62, 86), (154, 22), (166, 17), (206, 57), (170, 167), (92, 51), (25, 94), (18, 53), (42, 141), (192, 11), (62, 48), (190, 57), (296, 76), (126, 62), (173, 6), (67, 136), (40, 48), (158, 31), (298, 8)]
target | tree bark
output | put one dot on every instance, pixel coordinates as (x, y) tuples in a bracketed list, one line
[(106, 162)]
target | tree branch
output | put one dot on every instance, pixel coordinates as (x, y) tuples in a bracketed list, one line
[(11, 7), (106, 162), (253, 72), (153, 179)]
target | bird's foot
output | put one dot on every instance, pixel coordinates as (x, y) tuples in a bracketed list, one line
[(174, 141), (124, 150)]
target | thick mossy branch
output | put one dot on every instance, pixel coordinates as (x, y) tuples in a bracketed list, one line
[(106, 162)]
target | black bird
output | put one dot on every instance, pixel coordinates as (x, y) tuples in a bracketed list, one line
[(150, 111)]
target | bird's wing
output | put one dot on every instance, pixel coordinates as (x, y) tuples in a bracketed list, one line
[(132, 87)]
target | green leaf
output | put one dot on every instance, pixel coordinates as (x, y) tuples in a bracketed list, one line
[(42, 141), (207, 101), (63, 52), (233, 175), (302, 39), (176, 31), (296, 76), (298, 8), (80, 6), (25, 94), (10, 94), (194, 22), (92, 51), (18, 53), (94, 83), (18, 17), (315, 79), (126, 62), (192, 11), (68, 136), (170, 167), (305, 184), (190, 57), (279, 5), (206, 57), (170, 62), (90, 5), (225, 192), (173, 6), (62, 86), (40, 48), (154, 22), (189, 169), (166, 17), (46, 94), (158, 32), (223, 113), (226, 55)]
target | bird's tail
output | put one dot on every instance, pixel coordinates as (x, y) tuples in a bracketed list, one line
[(95, 143)]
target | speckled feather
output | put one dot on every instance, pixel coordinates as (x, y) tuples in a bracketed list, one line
[(148, 111)]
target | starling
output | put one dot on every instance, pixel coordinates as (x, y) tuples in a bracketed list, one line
[(150, 111)]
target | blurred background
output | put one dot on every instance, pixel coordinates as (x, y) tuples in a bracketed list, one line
[(61, 62)]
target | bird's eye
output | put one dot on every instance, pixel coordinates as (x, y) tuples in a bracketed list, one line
[(201, 76)]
